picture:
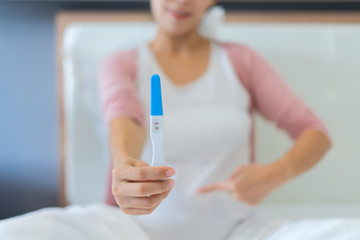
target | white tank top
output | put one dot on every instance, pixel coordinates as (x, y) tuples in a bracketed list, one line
[(206, 131)]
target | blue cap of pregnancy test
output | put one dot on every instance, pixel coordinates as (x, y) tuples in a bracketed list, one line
[(156, 102)]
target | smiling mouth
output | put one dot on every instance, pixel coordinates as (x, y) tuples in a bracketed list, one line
[(178, 14)]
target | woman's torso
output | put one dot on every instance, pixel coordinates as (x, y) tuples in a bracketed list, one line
[(206, 127)]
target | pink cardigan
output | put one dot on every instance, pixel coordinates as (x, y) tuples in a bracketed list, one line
[(269, 94)]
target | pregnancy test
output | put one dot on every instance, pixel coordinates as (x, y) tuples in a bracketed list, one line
[(156, 123)]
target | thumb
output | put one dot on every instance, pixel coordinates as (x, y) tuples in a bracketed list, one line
[(137, 162), (215, 187)]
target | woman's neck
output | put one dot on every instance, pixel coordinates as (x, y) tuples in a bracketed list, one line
[(166, 43)]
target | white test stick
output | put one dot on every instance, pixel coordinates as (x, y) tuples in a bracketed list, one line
[(157, 123)]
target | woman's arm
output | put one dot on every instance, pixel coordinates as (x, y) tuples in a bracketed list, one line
[(126, 139), (275, 101), (252, 183), (137, 188), (308, 149)]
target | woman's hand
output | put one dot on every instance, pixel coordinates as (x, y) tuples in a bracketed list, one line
[(138, 188), (250, 183)]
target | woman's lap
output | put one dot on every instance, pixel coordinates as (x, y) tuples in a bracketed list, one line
[(96, 221), (99, 221), (309, 229), (313, 229)]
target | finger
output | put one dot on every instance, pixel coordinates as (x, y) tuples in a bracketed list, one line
[(136, 211), (215, 187), (142, 189), (146, 202), (145, 173)]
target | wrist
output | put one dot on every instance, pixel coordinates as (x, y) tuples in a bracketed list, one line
[(281, 170), (121, 159)]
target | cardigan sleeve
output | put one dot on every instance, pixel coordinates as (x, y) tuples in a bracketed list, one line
[(117, 87), (271, 96)]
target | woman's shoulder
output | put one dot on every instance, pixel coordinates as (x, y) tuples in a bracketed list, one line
[(236, 49), (126, 58), (123, 56), (120, 62)]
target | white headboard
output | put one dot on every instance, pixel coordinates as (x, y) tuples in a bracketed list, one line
[(320, 61)]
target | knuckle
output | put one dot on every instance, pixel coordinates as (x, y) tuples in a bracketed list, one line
[(126, 211), (117, 203), (116, 173), (149, 211), (165, 185), (140, 189), (148, 203), (140, 173), (154, 207), (120, 202), (117, 190), (114, 189), (121, 191)]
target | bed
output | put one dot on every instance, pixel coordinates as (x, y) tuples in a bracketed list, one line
[(316, 53)]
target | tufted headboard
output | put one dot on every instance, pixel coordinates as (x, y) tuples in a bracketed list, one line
[(318, 54)]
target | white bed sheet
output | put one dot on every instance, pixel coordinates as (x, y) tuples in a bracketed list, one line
[(309, 211), (310, 222), (99, 221)]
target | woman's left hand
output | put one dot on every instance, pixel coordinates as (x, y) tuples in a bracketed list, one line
[(250, 183)]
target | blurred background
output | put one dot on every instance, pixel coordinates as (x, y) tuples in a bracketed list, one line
[(29, 107)]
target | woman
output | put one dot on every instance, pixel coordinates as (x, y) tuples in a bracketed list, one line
[(210, 91)]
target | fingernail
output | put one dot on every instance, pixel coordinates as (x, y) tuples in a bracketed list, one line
[(169, 172)]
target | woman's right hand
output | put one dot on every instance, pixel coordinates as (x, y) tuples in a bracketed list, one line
[(139, 188)]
